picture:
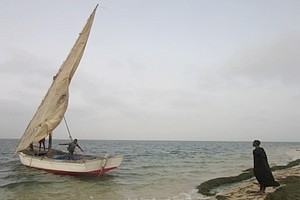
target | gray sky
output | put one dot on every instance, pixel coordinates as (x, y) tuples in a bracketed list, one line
[(159, 70)]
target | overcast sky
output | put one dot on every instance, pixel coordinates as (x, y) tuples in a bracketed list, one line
[(157, 69)]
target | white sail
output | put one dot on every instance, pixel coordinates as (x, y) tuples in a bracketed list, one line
[(53, 107)]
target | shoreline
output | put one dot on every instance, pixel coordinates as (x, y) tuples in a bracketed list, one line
[(245, 186)]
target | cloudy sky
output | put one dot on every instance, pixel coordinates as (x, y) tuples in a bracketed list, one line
[(157, 70)]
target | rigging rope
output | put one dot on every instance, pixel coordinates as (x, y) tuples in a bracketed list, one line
[(70, 132), (68, 129)]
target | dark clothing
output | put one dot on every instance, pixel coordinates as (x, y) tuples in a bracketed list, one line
[(262, 169), (42, 142)]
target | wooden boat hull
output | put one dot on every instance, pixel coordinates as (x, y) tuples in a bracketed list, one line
[(95, 166)]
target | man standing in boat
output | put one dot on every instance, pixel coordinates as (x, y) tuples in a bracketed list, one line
[(42, 142), (71, 146)]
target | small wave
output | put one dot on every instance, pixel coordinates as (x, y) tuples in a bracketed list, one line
[(13, 184), (294, 154)]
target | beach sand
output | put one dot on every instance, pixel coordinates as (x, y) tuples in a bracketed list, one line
[(247, 190)]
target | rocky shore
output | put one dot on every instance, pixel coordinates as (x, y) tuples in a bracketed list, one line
[(245, 186)]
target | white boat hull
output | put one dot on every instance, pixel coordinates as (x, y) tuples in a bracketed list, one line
[(94, 166)]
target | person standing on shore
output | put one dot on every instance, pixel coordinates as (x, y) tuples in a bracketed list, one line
[(262, 170)]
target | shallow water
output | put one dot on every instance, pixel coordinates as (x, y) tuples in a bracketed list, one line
[(150, 170)]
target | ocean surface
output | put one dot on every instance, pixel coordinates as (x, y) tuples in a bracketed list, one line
[(150, 170)]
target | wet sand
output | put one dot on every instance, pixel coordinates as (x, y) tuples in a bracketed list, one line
[(247, 190)]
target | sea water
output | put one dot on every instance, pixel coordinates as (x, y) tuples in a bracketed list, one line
[(150, 169)]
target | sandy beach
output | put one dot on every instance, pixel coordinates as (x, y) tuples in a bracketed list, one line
[(247, 190)]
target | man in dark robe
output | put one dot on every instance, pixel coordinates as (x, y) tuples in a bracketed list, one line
[(262, 170)]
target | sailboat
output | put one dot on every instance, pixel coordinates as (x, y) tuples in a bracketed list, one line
[(50, 114)]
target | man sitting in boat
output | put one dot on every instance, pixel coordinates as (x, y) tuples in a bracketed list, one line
[(71, 146)]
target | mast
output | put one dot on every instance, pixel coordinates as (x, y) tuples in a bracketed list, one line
[(50, 142)]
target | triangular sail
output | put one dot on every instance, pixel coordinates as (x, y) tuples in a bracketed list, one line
[(54, 105)]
